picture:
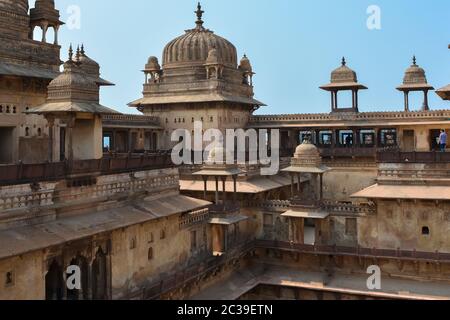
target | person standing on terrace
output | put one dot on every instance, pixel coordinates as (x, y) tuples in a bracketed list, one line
[(443, 140)]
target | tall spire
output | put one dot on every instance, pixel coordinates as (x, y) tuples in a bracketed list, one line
[(70, 53), (199, 14)]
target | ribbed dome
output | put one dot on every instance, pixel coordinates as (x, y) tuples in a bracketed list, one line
[(16, 6), (194, 46), (245, 64), (415, 74), (306, 149), (343, 74), (218, 155), (306, 155), (152, 64)]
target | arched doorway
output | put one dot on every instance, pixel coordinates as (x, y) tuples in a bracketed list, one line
[(54, 282), (99, 277), (83, 293)]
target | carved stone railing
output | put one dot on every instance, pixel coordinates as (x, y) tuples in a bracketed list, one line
[(355, 251), (346, 209), (413, 174), (193, 218), (129, 119), (413, 157), (42, 199), (333, 207), (229, 208), (25, 173), (362, 116), (26, 200)]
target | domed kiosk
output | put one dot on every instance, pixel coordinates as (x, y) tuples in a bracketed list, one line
[(415, 80), (343, 79), (308, 219)]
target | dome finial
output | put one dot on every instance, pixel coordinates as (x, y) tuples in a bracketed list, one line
[(344, 62), (199, 13), (414, 60), (70, 52), (82, 49), (77, 56)]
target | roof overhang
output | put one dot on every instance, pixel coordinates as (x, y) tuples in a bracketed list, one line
[(228, 220), (319, 170), (194, 98), (306, 214), (343, 86), (415, 87), (444, 92), (252, 186), (27, 71), (71, 107), (406, 192)]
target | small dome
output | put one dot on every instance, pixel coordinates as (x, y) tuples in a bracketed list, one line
[(90, 66), (306, 149), (16, 6), (415, 74), (152, 64), (218, 154), (343, 74), (245, 64), (307, 155), (74, 82)]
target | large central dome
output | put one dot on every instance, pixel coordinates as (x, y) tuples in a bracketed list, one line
[(194, 46)]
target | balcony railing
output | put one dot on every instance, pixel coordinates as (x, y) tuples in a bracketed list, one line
[(355, 251), (348, 152), (227, 208), (412, 157), (26, 173)]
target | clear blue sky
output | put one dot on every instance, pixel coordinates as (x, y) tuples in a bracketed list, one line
[(293, 45)]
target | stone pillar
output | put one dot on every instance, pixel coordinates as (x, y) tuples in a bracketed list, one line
[(51, 126), (292, 185), (44, 27), (406, 93), (56, 35), (425, 101), (205, 187), (70, 126), (321, 186), (235, 189), (224, 180), (217, 190)]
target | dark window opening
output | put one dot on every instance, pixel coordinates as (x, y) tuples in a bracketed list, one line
[(425, 231), (150, 254), (9, 278)]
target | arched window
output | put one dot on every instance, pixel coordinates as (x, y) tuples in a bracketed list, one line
[(27, 132), (150, 254), (50, 36), (39, 132), (37, 33)]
